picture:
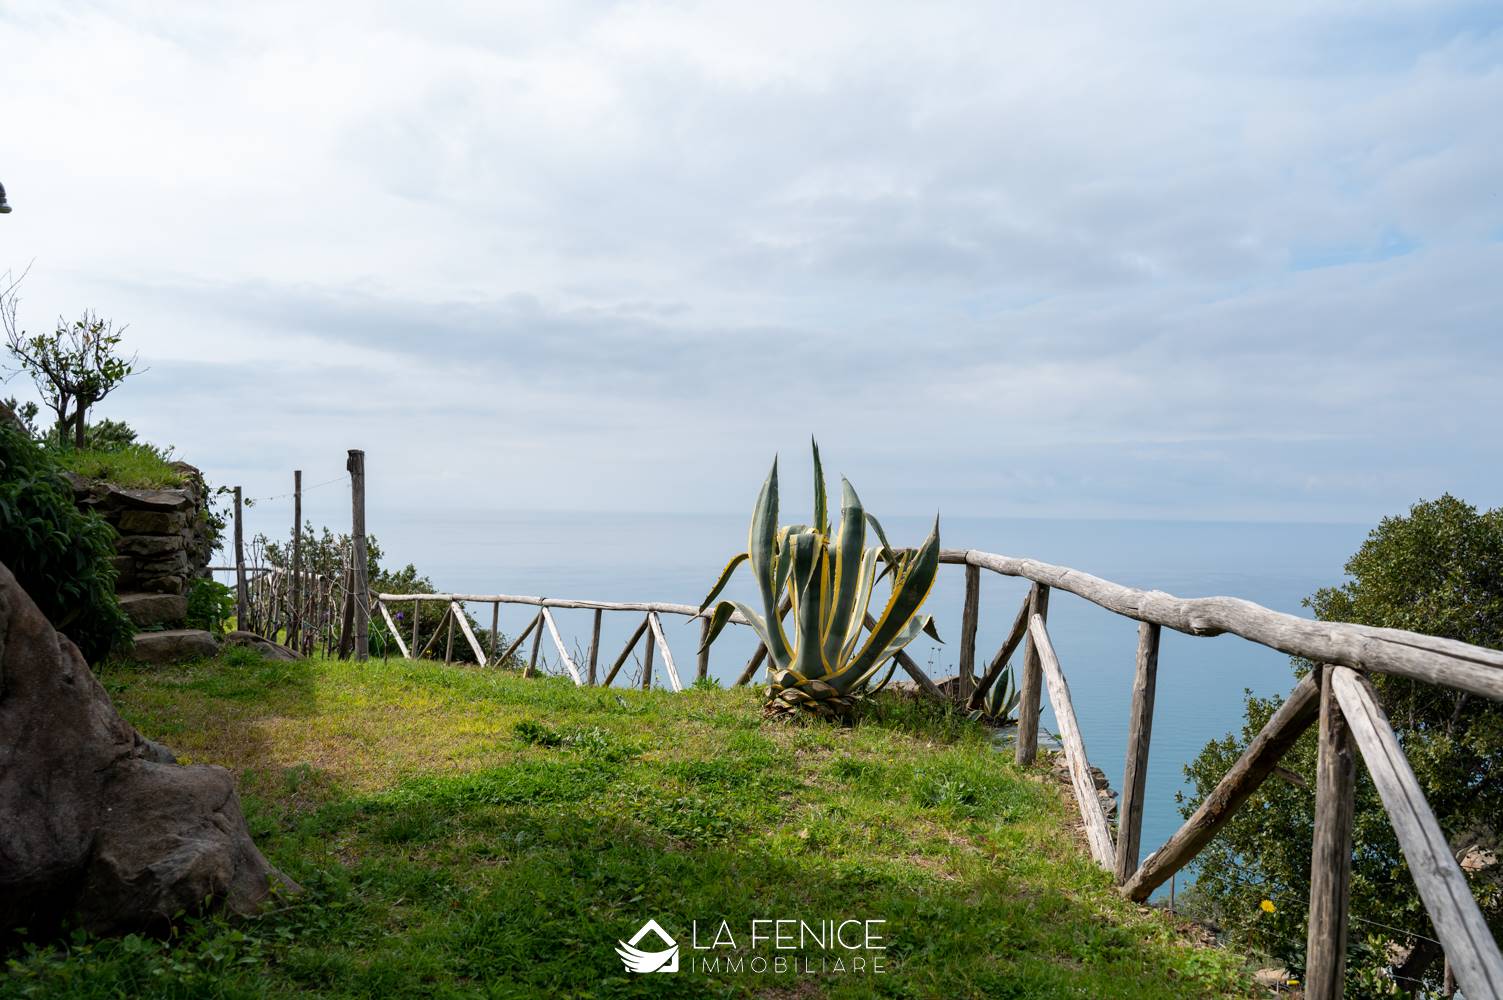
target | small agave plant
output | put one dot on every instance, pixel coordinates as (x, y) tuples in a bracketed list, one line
[(826, 666), (1000, 702)]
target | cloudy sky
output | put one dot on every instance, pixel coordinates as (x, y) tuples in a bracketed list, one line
[(1233, 260)]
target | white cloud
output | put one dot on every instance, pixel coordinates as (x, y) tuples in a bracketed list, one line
[(1232, 261)]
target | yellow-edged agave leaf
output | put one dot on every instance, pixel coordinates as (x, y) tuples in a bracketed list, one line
[(718, 618), (725, 577), (848, 551), (910, 587), (760, 550), (821, 500)]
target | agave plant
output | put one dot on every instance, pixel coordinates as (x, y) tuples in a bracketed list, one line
[(825, 666), (1001, 700)]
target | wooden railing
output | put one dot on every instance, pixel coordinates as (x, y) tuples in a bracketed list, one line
[(1336, 693)]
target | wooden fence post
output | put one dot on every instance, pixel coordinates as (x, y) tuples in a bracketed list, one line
[(417, 614), (295, 622), (537, 644), (647, 658), (595, 645), (1030, 690), (702, 667), (361, 588), (242, 597), (449, 640), (1139, 733), (966, 683), (1331, 854), (495, 629)]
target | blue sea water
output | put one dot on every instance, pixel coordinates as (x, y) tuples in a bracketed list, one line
[(675, 557)]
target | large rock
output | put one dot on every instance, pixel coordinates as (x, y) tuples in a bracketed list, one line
[(267, 648), (94, 825), (174, 645)]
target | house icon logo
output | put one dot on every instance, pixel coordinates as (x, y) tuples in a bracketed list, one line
[(637, 960)]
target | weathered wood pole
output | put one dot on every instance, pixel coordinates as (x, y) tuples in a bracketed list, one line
[(537, 644), (999, 662), (347, 621), (242, 595), (702, 666), (631, 644), (449, 640), (647, 658), (495, 629), (516, 644), (1098, 833), (1257, 762), (295, 624), (1031, 687), (1331, 854), (417, 616), (595, 646), (362, 597), (1139, 733), (968, 621), (1458, 922)]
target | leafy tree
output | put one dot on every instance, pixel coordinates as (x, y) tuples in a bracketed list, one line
[(73, 367), (1438, 570), (59, 554)]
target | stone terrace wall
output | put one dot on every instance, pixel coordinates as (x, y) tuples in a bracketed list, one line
[(164, 542)]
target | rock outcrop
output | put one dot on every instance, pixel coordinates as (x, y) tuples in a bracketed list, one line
[(97, 825)]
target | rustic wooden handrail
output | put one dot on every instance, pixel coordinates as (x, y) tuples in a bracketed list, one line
[(1393, 651)]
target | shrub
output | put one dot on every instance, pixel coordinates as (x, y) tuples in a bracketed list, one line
[(60, 555), (210, 605)]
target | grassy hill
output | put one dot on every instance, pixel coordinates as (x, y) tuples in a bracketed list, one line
[(470, 833)]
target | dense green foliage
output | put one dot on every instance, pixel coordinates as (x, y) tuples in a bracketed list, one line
[(210, 605), (468, 833), (60, 555), (1438, 570)]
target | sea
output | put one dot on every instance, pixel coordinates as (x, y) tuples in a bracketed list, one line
[(1202, 682)]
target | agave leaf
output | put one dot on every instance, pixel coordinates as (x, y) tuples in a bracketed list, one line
[(885, 678), (852, 678), (721, 615), (930, 630), (857, 619), (809, 570), (909, 590), (761, 627), (760, 550), (821, 500), (848, 549), (725, 577), (886, 550)]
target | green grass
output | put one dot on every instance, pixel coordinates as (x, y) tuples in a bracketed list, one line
[(134, 466), (469, 833)]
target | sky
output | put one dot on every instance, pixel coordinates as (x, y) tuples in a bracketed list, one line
[(1150, 260)]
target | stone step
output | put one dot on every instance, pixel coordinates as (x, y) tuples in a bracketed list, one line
[(147, 610), (175, 645)]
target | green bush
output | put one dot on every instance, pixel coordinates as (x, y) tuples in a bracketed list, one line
[(60, 555), (210, 605)]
